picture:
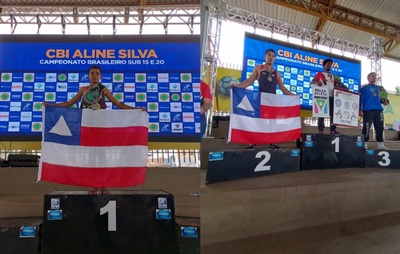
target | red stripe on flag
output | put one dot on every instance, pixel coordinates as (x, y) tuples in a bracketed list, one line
[(270, 112), (248, 137), (93, 177), (114, 136)]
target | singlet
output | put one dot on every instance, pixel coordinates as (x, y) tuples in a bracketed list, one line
[(267, 81), (93, 95)]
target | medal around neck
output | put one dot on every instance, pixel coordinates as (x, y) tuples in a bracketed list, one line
[(95, 106)]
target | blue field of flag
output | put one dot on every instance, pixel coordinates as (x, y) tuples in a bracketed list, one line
[(62, 125)]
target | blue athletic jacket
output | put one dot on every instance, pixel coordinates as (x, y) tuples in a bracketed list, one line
[(369, 98)]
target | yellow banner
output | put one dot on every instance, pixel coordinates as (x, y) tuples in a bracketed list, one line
[(225, 77), (392, 111)]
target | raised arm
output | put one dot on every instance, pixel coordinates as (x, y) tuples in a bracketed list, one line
[(250, 80)]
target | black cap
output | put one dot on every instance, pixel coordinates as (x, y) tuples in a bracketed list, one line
[(327, 61)]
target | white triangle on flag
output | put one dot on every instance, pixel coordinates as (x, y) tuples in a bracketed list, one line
[(245, 104), (61, 128)]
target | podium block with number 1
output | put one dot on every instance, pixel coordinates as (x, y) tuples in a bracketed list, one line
[(121, 222)]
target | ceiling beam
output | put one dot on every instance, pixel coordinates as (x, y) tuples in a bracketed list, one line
[(343, 16), (321, 22)]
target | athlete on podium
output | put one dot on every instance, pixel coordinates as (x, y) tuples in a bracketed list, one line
[(267, 78), (93, 97)]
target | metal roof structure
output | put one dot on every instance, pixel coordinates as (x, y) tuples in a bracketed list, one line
[(100, 12), (331, 22)]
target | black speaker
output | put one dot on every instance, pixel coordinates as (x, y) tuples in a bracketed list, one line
[(23, 160), (121, 222)]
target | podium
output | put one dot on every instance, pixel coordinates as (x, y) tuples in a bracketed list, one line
[(382, 158), (322, 151), (231, 164), (121, 222)]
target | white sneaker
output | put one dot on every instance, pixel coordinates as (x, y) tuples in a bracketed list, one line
[(382, 146)]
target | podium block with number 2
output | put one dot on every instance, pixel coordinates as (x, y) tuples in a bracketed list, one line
[(121, 222)]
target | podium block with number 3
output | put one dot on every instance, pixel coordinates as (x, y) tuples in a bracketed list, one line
[(121, 222)]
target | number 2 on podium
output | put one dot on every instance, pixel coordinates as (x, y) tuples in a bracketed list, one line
[(111, 210)]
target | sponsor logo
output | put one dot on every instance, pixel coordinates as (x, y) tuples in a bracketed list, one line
[(175, 87), (28, 77), (189, 232), (27, 96), (152, 87), (177, 117), (62, 77), (118, 88), (13, 126), (165, 117), (186, 77), (152, 106), (141, 97), (55, 203), (15, 106), (6, 77), (140, 77), (5, 96), (16, 87), (165, 128), (187, 88), (4, 116), (164, 97), (85, 78), (61, 87), (175, 97), (188, 97), (163, 77), (188, 117), (163, 214), (50, 96), (36, 126), (118, 77), (26, 106), (51, 77), (73, 77), (118, 96), (177, 127), (26, 116), (39, 86), (129, 87), (153, 127), (162, 202), (176, 107)]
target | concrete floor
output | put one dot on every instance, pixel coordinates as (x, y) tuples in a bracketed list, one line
[(373, 235)]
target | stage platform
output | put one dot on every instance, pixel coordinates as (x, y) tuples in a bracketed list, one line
[(21, 196)]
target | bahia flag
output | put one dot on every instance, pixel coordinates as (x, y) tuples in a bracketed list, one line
[(263, 118), (94, 148)]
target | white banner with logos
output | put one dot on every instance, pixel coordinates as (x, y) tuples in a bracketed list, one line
[(320, 104), (346, 108)]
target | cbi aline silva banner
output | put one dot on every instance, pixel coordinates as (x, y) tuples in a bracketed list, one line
[(158, 72), (298, 66)]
